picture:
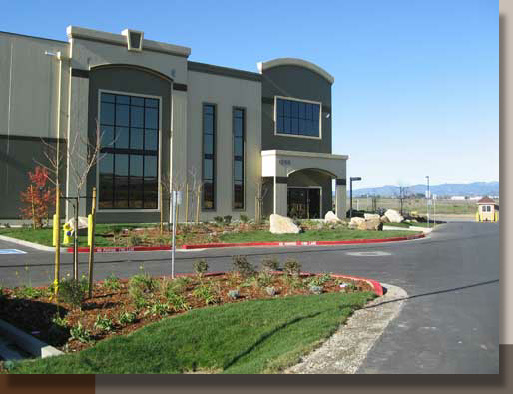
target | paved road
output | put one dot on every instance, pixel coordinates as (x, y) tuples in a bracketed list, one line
[(450, 324)]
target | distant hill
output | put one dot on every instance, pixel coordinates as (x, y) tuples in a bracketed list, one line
[(447, 189)]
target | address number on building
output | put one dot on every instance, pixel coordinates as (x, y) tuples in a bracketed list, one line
[(284, 162)]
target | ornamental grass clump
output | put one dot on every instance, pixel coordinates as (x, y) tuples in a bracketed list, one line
[(206, 294), (80, 333), (141, 288), (315, 289), (271, 290)]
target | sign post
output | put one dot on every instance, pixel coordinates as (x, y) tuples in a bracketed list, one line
[(176, 200)]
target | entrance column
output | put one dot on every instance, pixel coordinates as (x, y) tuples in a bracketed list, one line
[(340, 198), (280, 196)]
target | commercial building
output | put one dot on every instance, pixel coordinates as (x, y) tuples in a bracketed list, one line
[(235, 139)]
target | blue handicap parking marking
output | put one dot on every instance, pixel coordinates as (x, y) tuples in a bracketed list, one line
[(12, 251)]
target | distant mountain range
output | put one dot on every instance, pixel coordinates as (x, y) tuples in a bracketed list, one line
[(447, 189)]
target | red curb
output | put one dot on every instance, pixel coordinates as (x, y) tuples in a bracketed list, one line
[(110, 249)]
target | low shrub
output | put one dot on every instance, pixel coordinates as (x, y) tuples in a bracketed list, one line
[(264, 279), (319, 280), (73, 291), (103, 323), (270, 264), (135, 240), (219, 220), (227, 219), (80, 333), (28, 292), (206, 294), (243, 266), (112, 283), (292, 267), (140, 289), (177, 302), (158, 309), (127, 318), (200, 267), (244, 218)]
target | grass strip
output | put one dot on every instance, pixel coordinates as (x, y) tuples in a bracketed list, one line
[(261, 336)]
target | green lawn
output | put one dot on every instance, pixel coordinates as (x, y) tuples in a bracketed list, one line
[(312, 235), (262, 336), (44, 236)]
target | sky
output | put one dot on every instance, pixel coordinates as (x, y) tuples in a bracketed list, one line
[(416, 87)]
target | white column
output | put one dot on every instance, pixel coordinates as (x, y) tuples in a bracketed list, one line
[(280, 197), (178, 159), (76, 146), (340, 198)]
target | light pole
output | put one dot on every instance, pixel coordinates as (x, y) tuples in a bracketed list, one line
[(351, 179), (427, 200)]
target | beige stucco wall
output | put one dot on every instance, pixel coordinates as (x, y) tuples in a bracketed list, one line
[(29, 86), (226, 93)]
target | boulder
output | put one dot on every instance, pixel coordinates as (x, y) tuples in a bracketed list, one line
[(355, 222), (330, 217), (282, 225), (82, 225), (384, 219), (371, 224), (368, 216), (393, 216)]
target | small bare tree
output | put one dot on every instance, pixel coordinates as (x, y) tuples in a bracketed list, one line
[(402, 195), (82, 155), (260, 193)]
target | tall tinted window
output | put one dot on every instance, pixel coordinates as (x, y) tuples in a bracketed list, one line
[(128, 169), (209, 156), (239, 125), (297, 118)]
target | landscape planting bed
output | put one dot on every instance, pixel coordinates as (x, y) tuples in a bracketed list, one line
[(35, 310)]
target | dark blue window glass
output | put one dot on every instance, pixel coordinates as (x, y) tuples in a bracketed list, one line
[(297, 118), (209, 156), (128, 168)]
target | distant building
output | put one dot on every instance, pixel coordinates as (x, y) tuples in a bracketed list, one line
[(458, 198), (487, 210)]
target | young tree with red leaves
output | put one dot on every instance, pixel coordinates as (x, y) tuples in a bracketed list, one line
[(38, 198)]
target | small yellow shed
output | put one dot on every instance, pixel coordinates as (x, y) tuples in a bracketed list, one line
[(487, 210)]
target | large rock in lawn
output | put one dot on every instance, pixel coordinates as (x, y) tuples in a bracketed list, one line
[(282, 225), (371, 224), (355, 222), (393, 216), (330, 217), (384, 219), (368, 216)]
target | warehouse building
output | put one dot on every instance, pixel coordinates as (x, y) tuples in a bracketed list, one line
[(234, 139)]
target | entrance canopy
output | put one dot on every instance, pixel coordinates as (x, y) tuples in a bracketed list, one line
[(280, 164)]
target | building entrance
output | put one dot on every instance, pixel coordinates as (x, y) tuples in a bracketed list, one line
[(304, 202)]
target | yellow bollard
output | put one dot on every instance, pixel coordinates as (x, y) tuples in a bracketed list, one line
[(55, 229), (89, 229)]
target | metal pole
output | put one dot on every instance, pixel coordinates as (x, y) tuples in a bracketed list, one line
[(350, 198), (33, 209), (187, 204), (75, 243), (427, 201), (434, 210), (174, 235), (58, 238), (91, 247)]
